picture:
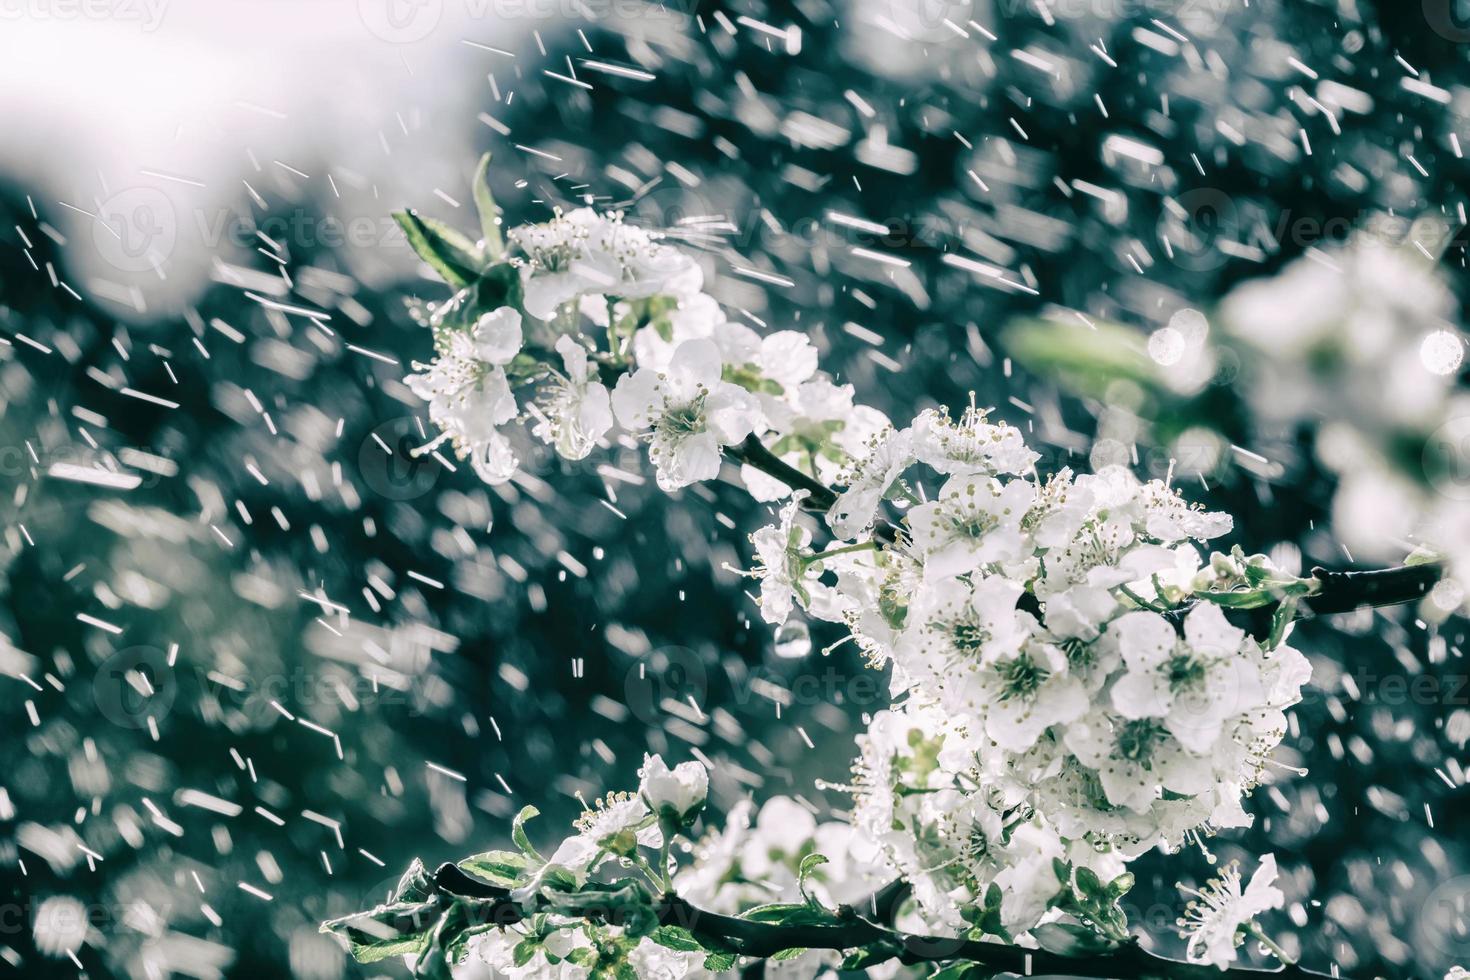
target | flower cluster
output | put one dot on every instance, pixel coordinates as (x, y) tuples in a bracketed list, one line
[(1054, 706), (1067, 692), (779, 856), (672, 370)]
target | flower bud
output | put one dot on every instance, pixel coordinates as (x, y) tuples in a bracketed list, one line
[(676, 795)]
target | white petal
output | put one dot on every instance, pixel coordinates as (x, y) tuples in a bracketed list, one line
[(637, 398), (1208, 631), (1145, 639)]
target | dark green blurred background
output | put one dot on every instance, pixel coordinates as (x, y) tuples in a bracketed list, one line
[(562, 625)]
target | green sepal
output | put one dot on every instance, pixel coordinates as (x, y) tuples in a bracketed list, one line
[(489, 213), (518, 834), (447, 251)]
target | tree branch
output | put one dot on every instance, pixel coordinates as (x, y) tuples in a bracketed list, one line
[(1346, 591), (752, 452), (849, 930), (1338, 592)]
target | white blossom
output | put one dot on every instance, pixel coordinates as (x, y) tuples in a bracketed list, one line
[(586, 252), (680, 791), (784, 569), (688, 412), (976, 521), (578, 410), (469, 394), (1216, 920)]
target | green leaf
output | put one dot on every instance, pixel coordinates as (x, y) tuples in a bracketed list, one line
[(1249, 599), (1424, 555), (1120, 886), (525, 950), (448, 252), (720, 962), (503, 868), (416, 885), (790, 914), (518, 833), (1087, 360), (1066, 939), (789, 954), (676, 937), (485, 204), (396, 929), (961, 971), (1088, 883), (804, 871), (446, 945), (861, 959), (497, 286), (809, 864), (1280, 620)]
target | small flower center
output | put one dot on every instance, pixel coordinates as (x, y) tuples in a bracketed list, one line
[(968, 635), (1021, 677), (1185, 671), (684, 420), (1138, 739), (974, 525)]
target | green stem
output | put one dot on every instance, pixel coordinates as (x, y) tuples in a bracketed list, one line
[(848, 550), (1267, 942)]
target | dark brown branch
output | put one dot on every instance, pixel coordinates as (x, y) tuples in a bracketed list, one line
[(1346, 591), (848, 931), (752, 452)]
